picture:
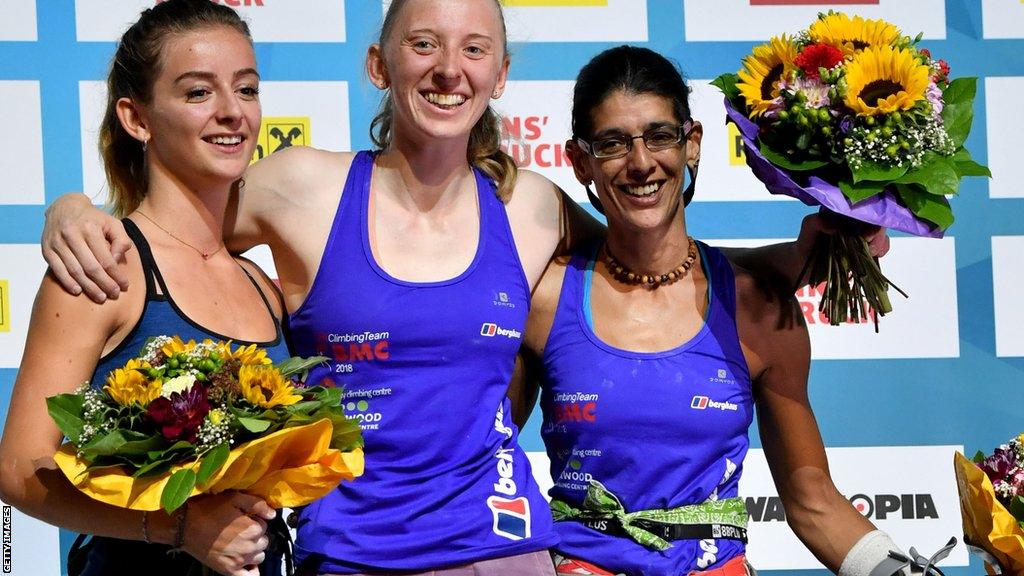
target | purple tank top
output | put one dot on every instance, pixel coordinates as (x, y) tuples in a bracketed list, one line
[(425, 367), (659, 430)]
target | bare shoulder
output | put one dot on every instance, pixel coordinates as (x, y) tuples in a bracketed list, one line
[(536, 195), (298, 171)]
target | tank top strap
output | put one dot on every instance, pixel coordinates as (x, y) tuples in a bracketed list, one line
[(149, 267), (720, 275), (571, 308), (263, 296)]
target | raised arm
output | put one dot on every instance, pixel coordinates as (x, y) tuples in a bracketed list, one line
[(85, 245), (780, 265)]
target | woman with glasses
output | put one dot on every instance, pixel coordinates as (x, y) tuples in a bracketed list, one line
[(656, 350)]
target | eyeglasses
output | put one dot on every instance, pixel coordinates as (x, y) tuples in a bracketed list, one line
[(655, 139)]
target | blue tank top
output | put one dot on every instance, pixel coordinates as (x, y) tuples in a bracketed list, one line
[(658, 429), (425, 367), (161, 316)]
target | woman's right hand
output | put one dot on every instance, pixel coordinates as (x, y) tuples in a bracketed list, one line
[(83, 244), (228, 532)]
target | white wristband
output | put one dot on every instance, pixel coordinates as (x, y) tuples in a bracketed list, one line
[(867, 554)]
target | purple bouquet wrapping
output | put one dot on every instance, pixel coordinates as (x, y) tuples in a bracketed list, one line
[(853, 116)]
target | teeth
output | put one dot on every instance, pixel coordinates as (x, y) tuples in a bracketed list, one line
[(646, 190), (226, 140), (445, 99)]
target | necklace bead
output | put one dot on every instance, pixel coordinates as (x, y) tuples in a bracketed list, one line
[(623, 274)]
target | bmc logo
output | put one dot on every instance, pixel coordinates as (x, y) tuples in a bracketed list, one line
[(575, 412)]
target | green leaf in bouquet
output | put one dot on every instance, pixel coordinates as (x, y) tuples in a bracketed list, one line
[(254, 425), (212, 462), (103, 445), (784, 162), (66, 411), (931, 207), (979, 457), (937, 175), (958, 111), (304, 407), (966, 166), (878, 172), (857, 191), (960, 91), (727, 84), (1016, 507), (301, 366), (346, 434), (178, 488), (141, 446)]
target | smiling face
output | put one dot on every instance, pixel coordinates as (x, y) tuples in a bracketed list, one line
[(641, 190), (443, 60), (204, 114)]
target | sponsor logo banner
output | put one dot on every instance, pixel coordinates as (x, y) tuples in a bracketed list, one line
[(1003, 123), (30, 546), (294, 113), (730, 20), (922, 326), (573, 20), (21, 148), (722, 160), (1002, 19), (535, 125), (920, 509), (1007, 278), (22, 269), (269, 20), (18, 21)]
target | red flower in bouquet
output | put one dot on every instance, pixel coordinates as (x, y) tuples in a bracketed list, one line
[(180, 415), (816, 56)]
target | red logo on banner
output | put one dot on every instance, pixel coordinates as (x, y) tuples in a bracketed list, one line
[(810, 2)]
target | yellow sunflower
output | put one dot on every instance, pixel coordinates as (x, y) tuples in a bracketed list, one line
[(762, 70), (127, 386), (882, 79), (250, 355), (176, 345), (852, 35), (265, 387)]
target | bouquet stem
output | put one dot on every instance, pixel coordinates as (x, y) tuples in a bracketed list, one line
[(854, 286)]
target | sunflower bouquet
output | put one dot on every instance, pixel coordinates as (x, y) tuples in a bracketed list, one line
[(992, 505), (855, 117), (183, 419)]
